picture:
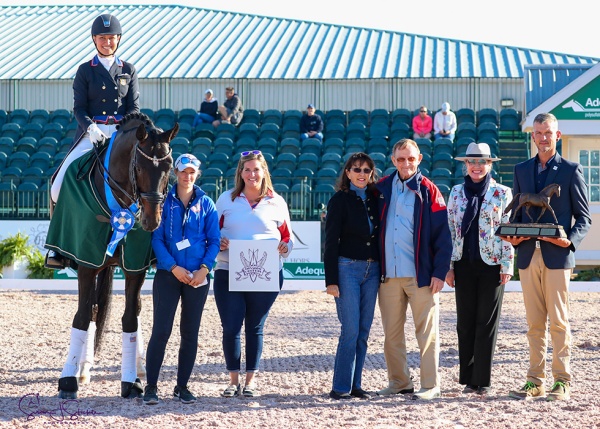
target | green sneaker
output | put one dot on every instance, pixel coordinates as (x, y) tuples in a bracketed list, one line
[(529, 391), (561, 391)]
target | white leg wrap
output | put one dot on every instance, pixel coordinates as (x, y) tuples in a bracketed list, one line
[(86, 360), (71, 367), (128, 359), (140, 355)]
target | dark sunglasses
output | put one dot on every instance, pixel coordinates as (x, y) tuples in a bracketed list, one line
[(366, 170), (187, 160), (251, 152), (477, 161), (423, 111)]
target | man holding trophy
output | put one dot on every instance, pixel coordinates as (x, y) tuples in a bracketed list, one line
[(546, 259)]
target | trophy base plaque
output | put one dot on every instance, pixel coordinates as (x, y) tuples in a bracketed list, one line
[(531, 230)]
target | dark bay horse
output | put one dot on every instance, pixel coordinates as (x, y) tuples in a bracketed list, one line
[(534, 200), (137, 176)]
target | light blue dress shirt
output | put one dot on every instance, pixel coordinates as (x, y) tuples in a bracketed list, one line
[(399, 232)]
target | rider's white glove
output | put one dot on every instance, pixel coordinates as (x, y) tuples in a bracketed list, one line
[(95, 134)]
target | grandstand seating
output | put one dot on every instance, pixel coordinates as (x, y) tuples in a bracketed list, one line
[(186, 116), (286, 160), (379, 116), (487, 115), (11, 130), (510, 120), (39, 145), (60, 116), (165, 118), (39, 116), (272, 116), (402, 116), (19, 116), (311, 145), (465, 115), (360, 116), (251, 116), (308, 160), (335, 116), (289, 145), (32, 130)]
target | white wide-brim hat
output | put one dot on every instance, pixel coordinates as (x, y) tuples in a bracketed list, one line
[(478, 150)]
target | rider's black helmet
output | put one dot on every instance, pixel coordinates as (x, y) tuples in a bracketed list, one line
[(106, 24)]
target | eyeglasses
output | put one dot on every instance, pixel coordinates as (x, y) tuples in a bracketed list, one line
[(477, 161), (251, 152), (187, 160), (365, 170), (423, 111)]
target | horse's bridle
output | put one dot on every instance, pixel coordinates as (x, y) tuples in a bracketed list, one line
[(151, 197)]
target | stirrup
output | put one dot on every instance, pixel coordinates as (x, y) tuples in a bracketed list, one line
[(55, 261)]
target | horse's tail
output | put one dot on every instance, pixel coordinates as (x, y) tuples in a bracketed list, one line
[(104, 284), (512, 203)]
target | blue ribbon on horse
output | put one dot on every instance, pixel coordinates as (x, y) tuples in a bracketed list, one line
[(121, 219)]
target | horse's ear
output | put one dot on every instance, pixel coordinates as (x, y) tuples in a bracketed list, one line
[(172, 132), (141, 133)]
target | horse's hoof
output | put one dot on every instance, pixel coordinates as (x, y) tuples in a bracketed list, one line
[(67, 388), (132, 390), (84, 375)]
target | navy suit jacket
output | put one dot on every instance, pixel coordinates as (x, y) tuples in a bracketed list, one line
[(571, 209)]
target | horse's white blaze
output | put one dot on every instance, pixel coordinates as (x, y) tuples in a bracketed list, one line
[(76, 344), (140, 356), (128, 357), (86, 360)]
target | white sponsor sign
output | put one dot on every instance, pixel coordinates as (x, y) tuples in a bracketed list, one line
[(253, 266), (307, 242)]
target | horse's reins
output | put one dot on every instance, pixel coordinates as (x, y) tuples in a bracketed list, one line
[(152, 197)]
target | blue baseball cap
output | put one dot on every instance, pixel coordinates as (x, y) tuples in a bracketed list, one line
[(311, 106)]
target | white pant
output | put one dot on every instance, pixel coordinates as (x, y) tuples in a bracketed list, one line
[(83, 146)]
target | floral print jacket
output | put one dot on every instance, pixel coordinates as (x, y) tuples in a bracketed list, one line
[(494, 250)]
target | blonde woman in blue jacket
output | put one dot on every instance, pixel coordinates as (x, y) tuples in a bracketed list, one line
[(186, 245), (482, 264)]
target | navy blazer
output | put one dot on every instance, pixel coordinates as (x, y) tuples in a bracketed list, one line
[(571, 209), (99, 92)]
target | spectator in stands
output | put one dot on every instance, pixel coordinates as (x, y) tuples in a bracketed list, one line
[(546, 263), (100, 102), (415, 246), (209, 109), (231, 111), (311, 125), (352, 270), (185, 244), (444, 123), (422, 124), (250, 211), (482, 263)]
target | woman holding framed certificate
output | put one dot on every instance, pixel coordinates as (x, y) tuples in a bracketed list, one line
[(251, 211)]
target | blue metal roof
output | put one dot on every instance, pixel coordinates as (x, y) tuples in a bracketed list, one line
[(49, 42)]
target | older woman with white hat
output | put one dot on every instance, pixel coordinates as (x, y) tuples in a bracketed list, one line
[(482, 263)]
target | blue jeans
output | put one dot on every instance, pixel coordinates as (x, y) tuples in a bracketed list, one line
[(237, 308), (166, 292), (203, 118), (318, 136), (359, 283)]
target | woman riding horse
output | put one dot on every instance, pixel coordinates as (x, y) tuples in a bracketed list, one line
[(112, 201)]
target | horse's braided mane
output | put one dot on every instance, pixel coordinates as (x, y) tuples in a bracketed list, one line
[(138, 116)]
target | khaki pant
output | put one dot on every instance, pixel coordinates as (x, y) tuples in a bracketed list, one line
[(546, 296), (394, 296)]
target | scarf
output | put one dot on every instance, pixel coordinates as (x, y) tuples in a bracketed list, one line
[(474, 193)]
